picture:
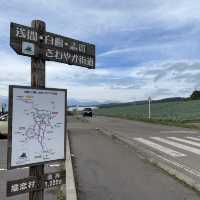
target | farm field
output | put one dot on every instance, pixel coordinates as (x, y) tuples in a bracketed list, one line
[(185, 113)]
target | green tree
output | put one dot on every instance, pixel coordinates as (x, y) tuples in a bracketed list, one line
[(195, 95)]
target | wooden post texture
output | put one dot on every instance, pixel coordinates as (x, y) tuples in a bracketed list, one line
[(37, 81)]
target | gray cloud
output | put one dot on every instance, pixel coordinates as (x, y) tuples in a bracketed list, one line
[(140, 30)]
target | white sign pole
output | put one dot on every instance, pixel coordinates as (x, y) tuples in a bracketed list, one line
[(1, 106), (149, 107)]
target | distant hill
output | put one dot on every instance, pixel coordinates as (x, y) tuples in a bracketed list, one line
[(82, 103), (70, 102), (172, 99)]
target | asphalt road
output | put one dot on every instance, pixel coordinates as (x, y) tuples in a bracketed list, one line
[(178, 144), (132, 128), (106, 169)]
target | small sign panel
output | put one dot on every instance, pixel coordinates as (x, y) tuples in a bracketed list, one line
[(28, 48), (54, 179), (20, 34), (37, 124), (33, 183), (22, 186)]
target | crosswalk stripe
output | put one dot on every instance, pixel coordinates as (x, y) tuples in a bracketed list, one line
[(185, 141), (178, 145), (193, 138), (176, 131), (160, 148)]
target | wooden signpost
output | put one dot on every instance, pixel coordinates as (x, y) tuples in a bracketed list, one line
[(37, 81), (43, 46)]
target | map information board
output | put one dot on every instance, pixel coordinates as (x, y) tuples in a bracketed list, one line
[(36, 126)]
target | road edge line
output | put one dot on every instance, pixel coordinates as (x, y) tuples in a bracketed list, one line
[(71, 193)]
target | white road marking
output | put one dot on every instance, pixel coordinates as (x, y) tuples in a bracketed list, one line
[(54, 165), (178, 145), (2, 169), (25, 167), (160, 148), (185, 141), (193, 138), (189, 132)]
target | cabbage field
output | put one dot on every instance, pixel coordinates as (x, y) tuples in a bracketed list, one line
[(180, 111)]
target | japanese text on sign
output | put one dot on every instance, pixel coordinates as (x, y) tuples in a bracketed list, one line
[(28, 42), (70, 58), (65, 43), (22, 186), (53, 180), (28, 34), (30, 184)]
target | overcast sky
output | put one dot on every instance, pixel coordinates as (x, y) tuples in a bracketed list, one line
[(143, 47)]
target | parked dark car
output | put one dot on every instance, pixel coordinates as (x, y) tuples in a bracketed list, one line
[(4, 117), (70, 113), (87, 112)]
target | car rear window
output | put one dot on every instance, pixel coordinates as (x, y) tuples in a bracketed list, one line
[(87, 109)]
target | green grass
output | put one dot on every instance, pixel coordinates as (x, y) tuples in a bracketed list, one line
[(171, 113)]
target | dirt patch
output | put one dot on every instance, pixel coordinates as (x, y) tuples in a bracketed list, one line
[(194, 124)]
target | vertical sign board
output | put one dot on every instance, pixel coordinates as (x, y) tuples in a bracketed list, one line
[(37, 126), (51, 47)]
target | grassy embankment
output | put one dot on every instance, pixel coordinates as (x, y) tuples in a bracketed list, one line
[(183, 113)]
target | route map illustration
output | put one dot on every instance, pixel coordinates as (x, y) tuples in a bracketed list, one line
[(38, 126)]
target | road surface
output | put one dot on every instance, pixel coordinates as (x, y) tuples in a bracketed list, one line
[(106, 169), (178, 144)]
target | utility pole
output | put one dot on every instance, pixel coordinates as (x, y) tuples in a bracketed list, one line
[(149, 99), (37, 81)]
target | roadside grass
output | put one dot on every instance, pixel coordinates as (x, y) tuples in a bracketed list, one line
[(184, 114)]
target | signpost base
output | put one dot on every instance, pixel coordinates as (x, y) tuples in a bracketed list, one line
[(36, 171)]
